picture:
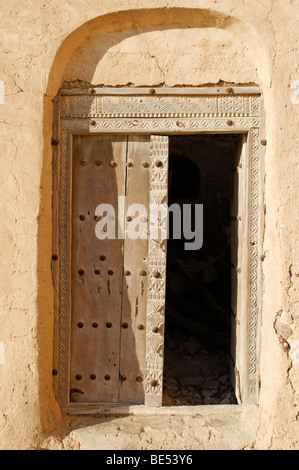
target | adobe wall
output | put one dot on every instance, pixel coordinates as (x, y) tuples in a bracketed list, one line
[(129, 43)]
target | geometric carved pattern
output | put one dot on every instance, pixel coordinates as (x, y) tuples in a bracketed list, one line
[(157, 269), (169, 125), (239, 105), (64, 264), (158, 106), (201, 112), (254, 259)]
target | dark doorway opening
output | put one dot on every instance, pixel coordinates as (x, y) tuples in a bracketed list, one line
[(197, 356)]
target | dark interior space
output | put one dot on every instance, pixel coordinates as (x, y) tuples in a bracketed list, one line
[(197, 360)]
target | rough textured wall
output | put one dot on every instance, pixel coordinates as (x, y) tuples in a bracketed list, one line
[(195, 42), (171, 57)]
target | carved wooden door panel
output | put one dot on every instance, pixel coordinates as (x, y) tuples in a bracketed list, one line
[(117, 282)]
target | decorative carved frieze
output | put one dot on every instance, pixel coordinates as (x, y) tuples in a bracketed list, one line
[(159, 106)]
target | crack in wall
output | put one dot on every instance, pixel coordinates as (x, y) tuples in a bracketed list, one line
[(154, 58), (274, 38), (142, 32)]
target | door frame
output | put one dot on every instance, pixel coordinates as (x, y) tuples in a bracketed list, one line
[(159, 112)]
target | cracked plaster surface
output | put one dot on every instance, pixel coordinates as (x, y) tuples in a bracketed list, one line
[(249, 42)]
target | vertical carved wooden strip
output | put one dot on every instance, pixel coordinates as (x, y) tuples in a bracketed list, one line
[(157, 270), (254, 262), (135, 280), (248, 259), (64, 266)]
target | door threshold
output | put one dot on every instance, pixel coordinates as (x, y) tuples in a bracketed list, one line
[(123, 409)]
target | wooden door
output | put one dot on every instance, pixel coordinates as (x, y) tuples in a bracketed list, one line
[(109, 276)]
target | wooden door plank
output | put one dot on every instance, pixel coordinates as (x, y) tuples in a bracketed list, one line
[(134, 301), (238, 235), (96, 274)]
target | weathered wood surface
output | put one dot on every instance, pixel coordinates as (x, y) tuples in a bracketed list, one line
[(238, 240), (135, 278), (254, 90), (96, 269)]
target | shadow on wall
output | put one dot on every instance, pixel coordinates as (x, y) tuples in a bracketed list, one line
[(109, 30)]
